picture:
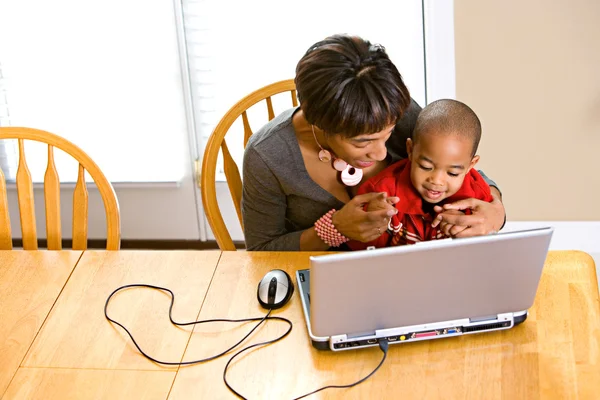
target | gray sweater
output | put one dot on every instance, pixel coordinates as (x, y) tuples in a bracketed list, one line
[(279, 199)]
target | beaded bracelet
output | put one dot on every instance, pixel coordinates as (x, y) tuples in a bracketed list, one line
[(327, 232)]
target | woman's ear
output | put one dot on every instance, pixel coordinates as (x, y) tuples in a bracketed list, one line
[(409, 148), (474, 161)]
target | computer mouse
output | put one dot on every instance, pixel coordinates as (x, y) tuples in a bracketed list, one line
[(275, 289)]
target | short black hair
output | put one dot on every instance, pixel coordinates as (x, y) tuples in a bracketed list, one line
[(447, 116), (348, 86)]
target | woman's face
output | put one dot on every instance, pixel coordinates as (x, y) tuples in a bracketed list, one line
[(361, 151)]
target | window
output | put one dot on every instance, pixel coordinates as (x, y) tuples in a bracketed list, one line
[(105, 75), (235, 48)]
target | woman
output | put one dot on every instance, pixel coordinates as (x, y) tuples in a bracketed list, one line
[(301, 170)]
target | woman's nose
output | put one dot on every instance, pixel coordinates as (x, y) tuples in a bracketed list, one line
[(379, 152)]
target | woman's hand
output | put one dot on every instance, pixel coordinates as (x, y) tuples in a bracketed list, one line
[(485, 218), (355, 223)]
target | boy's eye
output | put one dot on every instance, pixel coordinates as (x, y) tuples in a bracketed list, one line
[(453, 174), (424, 168)]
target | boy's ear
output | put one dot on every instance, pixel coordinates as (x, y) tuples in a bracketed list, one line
[(474, 161), (409, 148)]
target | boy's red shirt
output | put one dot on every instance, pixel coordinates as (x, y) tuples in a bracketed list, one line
[(412, 224)]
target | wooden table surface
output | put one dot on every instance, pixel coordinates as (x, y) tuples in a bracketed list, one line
[(554, 354), (80, 349), (30, 282), (79, 354)]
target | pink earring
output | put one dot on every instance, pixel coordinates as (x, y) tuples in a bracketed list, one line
[(351, 176)]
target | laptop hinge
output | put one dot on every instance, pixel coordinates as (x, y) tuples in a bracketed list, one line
[(338, 339), (494, 318)]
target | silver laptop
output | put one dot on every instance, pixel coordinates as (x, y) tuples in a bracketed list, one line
[(430, 290)]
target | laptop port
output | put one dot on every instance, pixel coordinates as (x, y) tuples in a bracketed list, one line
[(392, 338), (339, 345), (372, 341), (425, 334)]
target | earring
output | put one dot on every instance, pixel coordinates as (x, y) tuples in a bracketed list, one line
[(351, 176)]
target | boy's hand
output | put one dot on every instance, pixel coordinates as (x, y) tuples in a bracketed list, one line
[(444, 226), (485, 218)]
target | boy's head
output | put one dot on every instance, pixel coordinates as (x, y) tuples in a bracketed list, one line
[(442, 149)]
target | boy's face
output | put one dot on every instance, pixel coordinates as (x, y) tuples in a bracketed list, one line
[(439, 164)]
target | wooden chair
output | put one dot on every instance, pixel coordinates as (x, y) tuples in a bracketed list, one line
[(52, 196), (216, 142)]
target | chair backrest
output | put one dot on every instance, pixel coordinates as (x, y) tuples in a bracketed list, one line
[(52, 196), (216, 142)]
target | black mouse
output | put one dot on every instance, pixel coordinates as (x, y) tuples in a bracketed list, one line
[(275, 289)]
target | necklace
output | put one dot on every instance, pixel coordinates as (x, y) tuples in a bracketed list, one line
[(350, 176)]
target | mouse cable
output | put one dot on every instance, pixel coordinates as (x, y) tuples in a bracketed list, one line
[(383, 345), (261, 320)]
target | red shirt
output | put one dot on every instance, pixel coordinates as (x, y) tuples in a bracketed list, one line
[(412, 224)]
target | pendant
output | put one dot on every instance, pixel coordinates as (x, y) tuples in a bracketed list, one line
[(351, 176), (324, 155), (339, 164)]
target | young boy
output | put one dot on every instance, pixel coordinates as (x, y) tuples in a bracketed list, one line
[(438, 170)]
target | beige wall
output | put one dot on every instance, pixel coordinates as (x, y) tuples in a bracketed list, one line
[(531, 70)]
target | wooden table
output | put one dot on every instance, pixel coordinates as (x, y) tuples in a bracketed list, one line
[(554, 354), (78, 354), (30, 282)]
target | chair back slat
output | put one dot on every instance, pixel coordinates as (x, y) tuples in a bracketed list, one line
[(216, 144), (234, 181), (247, 130), (52, 200), (26, 203), (5, 234), (80, 212), (52, 193), (270, 108)]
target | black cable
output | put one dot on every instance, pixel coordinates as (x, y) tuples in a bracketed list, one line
[(262, 319), (383, 343)]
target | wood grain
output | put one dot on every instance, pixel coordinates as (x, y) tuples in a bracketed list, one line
[(66, 384), (554, 354), (77, 335), (30, 282)]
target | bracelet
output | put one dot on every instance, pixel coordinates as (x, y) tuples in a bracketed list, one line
[(327, 232)]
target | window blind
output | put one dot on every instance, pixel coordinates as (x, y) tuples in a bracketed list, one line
[(236, 47), (8, 150), (105, 75)]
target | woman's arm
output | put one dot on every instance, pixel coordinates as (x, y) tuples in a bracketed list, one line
[(264, 208)]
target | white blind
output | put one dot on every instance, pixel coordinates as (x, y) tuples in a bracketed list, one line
[(103, 74), (236, 47), (8, 150)]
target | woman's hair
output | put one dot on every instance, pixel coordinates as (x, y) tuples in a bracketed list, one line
[(348, 86)]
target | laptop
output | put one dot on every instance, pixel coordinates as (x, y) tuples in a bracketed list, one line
[(430, 290)]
